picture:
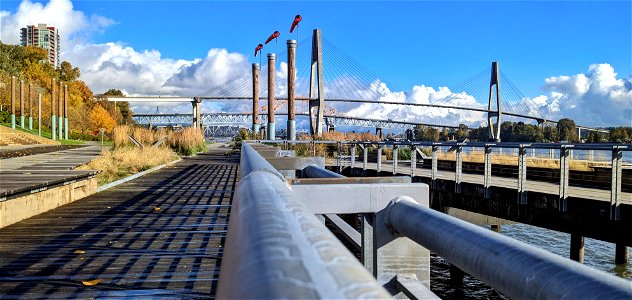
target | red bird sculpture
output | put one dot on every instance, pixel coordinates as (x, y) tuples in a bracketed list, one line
[(297, 19), (259, 47), (273, 36)]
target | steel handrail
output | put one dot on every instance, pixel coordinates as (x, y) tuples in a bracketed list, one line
[(516, 269)]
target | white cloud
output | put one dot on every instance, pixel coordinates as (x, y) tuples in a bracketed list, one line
[(595, 98), (74, 26)]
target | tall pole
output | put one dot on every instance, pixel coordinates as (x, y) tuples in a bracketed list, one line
[(39, 113), (60, 109), (316, 94), (65, 112), (255, 98), (271, 126), (494, 132), (30, 106), (291, 78), (53, 119), (13, 84), (22, 110)]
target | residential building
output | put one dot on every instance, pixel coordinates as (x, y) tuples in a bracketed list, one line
[(42, 36)]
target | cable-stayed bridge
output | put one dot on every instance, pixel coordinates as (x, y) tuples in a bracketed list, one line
[(330, 85)]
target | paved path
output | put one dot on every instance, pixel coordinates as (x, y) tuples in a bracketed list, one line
[(158, 236), (34, 172), (60, 160)]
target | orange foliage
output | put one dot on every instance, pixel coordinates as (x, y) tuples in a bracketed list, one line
[(100, 118)]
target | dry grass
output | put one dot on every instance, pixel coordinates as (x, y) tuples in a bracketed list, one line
[(121, 162), (187, 141)]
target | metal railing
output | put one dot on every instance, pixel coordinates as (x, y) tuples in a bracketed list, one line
[(516, 269), (277, 249), (521, 151)]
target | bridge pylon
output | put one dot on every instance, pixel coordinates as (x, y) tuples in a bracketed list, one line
[(316, 89), (494, 86), (197, 120)]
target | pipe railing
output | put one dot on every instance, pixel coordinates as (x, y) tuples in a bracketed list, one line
[(522, 150), (516, 269), (278, 249)]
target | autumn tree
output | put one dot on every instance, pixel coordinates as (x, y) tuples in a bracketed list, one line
[(100, 118), (67, 73)]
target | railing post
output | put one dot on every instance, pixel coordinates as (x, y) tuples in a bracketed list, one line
[(522, 174), (433, 172), (615, 190), (395, 152), (459, 169), (564, 166), (313, 148), (365, 156), (353, 153), (413, 160), (379, 159), (368, 238), (487, 171), (338, 162)]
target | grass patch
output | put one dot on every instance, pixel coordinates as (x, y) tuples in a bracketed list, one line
[(188, 141), (124, 161)]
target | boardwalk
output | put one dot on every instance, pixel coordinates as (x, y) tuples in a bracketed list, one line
[(157, 236), (530, 185)]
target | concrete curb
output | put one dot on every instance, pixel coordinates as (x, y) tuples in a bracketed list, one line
[(131, 177)]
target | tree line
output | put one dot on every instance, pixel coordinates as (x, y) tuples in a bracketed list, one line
[(565, 130), (87, 113)]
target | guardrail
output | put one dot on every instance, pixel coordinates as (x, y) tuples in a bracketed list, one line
[(518, 270), (262, 233), (520, 150), (279, 250)]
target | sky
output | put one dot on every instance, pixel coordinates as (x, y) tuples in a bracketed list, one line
[(567, 58)]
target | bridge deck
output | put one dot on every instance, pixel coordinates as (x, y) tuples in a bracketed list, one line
[(157, 236)]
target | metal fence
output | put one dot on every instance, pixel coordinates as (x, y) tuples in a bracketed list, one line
[(562, 153)]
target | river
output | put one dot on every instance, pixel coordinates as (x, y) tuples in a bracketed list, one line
[(597, 254)]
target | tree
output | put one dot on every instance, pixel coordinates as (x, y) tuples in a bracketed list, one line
[(550, 134), (100, 118), (621, 134), (67, 73), (114, 92), (567, 130)]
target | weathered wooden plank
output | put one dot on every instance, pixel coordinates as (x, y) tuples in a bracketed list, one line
[(158, 236)]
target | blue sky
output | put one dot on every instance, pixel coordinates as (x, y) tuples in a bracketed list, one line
[(437, 43), (434, 43)]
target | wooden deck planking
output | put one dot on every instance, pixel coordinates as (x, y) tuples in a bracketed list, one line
[(157, 236)]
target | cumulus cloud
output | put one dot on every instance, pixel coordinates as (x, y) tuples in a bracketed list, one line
[(74, 26), (594, 98)]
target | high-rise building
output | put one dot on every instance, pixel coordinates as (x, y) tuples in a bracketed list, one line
[(45, 37)]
